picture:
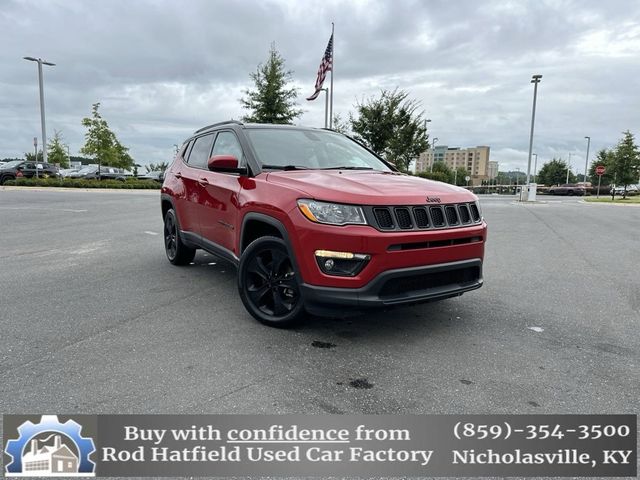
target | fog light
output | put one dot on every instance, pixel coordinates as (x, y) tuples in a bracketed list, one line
[(346, 264)]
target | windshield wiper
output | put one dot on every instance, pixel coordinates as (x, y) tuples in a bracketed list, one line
[(285, 167), (348, 168)]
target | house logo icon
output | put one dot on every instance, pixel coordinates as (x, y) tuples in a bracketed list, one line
[(50, 449)]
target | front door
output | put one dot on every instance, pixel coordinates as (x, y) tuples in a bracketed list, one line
[(220, 193)]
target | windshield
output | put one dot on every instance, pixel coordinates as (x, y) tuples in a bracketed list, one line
[(88, 170), (315, 149), (12, 164)]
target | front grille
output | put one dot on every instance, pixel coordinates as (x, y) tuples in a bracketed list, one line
[(404, 218), (383, 216), (475, 213), (452, 215), (422, 219), (437, 217), (465, 217), (419, 217), (426, 281)]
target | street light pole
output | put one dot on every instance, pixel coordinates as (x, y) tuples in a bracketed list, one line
[(535, 79), (568, 169), (535, 168), (42, 119), (586, 161), (433, 147)]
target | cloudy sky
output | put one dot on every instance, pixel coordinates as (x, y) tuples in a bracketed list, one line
[(162, 69)]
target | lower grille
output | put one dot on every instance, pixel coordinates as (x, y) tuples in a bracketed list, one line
[(427, 281)]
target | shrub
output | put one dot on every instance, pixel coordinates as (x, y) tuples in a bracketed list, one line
[(81, 183)]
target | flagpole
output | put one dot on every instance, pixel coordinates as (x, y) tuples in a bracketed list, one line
[(333, 65)]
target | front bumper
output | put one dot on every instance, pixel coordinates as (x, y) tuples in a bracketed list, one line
[(398, 287)]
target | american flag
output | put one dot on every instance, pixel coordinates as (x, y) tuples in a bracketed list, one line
[(325, 65)]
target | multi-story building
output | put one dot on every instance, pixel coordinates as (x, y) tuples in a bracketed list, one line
[(493, 169), (475, 160)]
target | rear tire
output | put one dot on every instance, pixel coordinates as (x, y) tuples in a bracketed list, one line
[(177, 252), (268, 285)]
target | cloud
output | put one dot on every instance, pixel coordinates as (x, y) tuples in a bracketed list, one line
[(162, 69)]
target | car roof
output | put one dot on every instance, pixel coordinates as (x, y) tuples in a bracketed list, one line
[(238, 124)]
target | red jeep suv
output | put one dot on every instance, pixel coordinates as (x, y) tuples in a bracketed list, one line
[(317, 223)]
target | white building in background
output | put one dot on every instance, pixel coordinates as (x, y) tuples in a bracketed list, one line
[(475, 160)]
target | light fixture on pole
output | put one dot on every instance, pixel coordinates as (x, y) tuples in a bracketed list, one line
[(433, 147), (41, 62), (535, 79), (586, 161)]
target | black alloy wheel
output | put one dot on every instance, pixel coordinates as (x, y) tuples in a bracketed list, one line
[(268, 285), (177, 252)]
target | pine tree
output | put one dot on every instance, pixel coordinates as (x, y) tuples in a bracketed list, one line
[(272, 100)]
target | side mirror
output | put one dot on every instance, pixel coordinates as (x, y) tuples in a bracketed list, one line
[(225, 164)]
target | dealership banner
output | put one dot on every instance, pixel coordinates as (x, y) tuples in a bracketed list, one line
[(320, 445)]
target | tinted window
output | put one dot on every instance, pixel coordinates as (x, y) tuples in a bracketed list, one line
[(199, 155), (227, 144), (310, 149)]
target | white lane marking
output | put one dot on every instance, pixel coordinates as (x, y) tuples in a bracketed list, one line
[(536, 329), (150, 233), (72, 210)]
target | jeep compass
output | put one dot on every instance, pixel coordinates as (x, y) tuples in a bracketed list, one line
[(315, 222)]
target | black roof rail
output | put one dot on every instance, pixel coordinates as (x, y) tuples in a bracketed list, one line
[(235, 122)]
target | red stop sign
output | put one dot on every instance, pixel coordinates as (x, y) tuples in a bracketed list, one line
[(600, 170)]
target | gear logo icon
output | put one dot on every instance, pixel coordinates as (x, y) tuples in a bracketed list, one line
[(50, 449)]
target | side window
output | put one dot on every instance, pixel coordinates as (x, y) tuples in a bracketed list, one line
[(199, 155), (228, 144), (185, 150)]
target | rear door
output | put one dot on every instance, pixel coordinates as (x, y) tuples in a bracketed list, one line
[(219, 220)]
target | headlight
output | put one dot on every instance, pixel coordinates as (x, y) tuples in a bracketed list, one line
[(332, 213)]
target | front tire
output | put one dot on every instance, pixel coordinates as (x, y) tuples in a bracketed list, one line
[(177, 252), (268, 285)]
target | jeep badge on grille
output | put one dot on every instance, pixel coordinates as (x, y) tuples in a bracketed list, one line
[(433, 199)]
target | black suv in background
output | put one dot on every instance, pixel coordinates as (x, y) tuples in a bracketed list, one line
[(20, 168)]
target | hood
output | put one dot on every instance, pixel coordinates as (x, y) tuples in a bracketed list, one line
[(364, 187)]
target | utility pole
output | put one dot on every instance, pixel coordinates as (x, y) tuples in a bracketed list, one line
[(42, 120)]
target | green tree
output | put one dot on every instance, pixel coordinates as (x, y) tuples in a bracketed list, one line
[(157, 167), (459, 177), (272, 100), (57, 151), (101, 143), (392, 127), (340, 125), (626, 165), (554, 172), (605, 158), (31, 157)]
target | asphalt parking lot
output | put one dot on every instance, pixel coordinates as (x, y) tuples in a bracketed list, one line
[(94, 319)]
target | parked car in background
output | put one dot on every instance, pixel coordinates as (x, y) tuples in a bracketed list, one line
[(103, 173), (567, 189), (631, 190), (157, 176), (22, 168), (65, 172)]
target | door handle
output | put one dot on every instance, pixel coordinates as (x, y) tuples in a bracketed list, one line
[(177, 175), (203, 181)]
